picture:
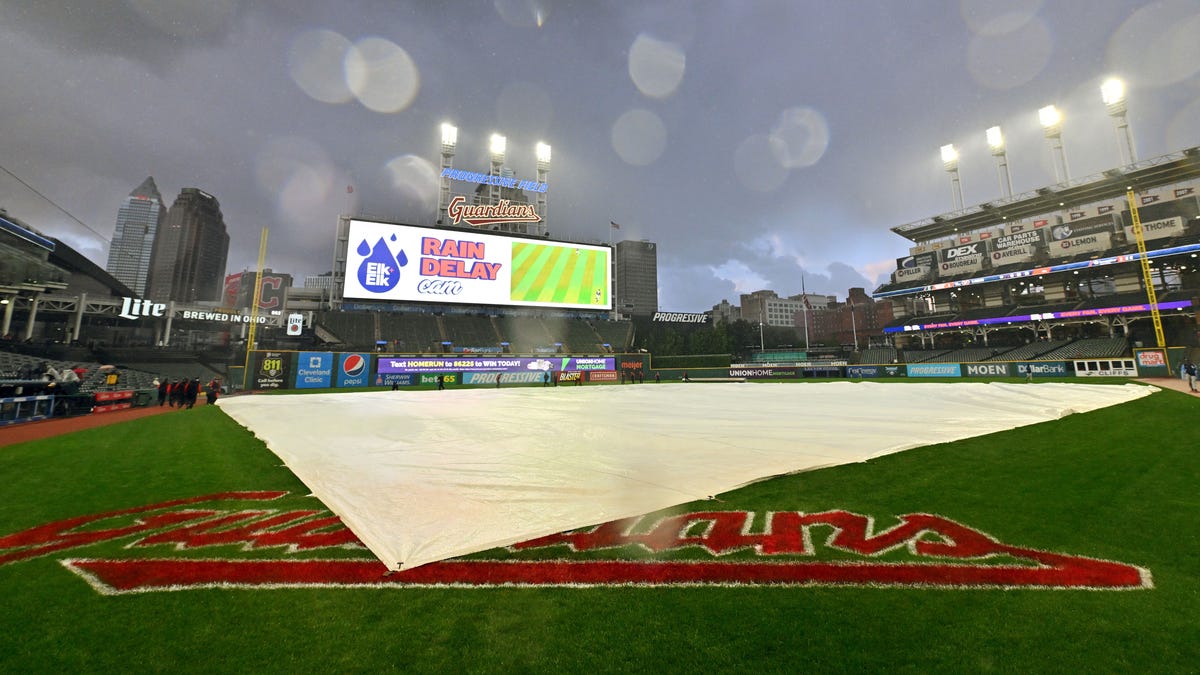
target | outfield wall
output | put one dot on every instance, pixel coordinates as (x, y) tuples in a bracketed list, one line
[(361, 370)]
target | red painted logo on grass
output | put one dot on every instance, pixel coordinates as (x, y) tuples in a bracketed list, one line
[(290, 548)]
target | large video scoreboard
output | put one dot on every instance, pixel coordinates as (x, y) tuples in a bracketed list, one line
[(385, 261)]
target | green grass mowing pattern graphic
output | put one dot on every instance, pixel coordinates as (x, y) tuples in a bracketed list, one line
[(558, 274)]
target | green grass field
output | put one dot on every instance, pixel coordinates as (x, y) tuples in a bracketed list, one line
[(559, 274), (1116, 484)]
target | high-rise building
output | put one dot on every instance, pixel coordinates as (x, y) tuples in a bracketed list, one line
[(138, 220), (636, 278), (188, 264)]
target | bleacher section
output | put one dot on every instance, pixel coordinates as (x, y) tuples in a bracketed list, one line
[(879, 355), (412, 333), (921, 355), (968, 355), (470, 331), (1033, 350), (619, 334), (581, 337), (524, 335), (1092, 348), (356, 330)]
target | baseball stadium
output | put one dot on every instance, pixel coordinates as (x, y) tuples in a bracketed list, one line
[(462, 454)]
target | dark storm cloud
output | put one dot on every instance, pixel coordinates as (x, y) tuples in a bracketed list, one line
[(759, 143)]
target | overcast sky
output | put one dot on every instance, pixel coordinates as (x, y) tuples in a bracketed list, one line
[(758, 143)]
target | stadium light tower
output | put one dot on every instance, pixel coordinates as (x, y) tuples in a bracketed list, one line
[(1051, 121), (995, 140), (497, 146), (542, 151), (1112, 92), (950, 164), (449, 142)]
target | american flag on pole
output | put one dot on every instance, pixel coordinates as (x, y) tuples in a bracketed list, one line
[(614, 225)]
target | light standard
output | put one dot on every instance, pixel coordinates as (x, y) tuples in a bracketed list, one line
[(1051, 121), (1112, 92), (762, 345), (853, 323), (950, 164), (497, 147), (995, 140), (542, 151), (449, 142)]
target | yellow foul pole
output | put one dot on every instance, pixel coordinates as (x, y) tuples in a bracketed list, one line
[(1146, 274), (262, 253)]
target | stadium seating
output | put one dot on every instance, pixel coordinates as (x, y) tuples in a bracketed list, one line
[(1092, 348), (879, 355), (470, 331), (356, 330), (967, 355), (1033, 350), (619, 334), (411, 333), (921, 355)]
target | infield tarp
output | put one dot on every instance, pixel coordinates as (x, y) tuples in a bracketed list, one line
[(421, 476)]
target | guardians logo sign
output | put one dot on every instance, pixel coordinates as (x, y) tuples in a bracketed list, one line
[(270, 540)]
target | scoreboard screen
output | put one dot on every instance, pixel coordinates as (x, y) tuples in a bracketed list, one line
[(385, 261)]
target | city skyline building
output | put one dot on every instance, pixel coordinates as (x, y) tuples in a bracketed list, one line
[(138, 220), (636, 277), (188, 263)]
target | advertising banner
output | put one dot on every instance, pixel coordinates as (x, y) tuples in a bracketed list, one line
[(963, 259), (437, 364), (1096, 242), (1158, 229), (1044, 368), (934, 370), (432, 378), (874, 371), (271, 370), (408, 263), (398, 379), (1018, 247), (763, 373), (354, 370), (602, 376), (986, 370), (914, 267), (314, 370)]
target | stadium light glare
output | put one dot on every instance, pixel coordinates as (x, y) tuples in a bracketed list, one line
[(1050, 117), (542, 152), (1112, 91), (995, 139), (498, 144), (949, 155), (449, 134)]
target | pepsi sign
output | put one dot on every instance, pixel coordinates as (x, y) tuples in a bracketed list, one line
[(354, 370)]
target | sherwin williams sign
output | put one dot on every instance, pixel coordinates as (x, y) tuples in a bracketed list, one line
[(407, 263)]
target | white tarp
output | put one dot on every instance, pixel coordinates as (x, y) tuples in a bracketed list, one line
[(422, 476)]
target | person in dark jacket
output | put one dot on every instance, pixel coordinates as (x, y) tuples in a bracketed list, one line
[(164, 386)]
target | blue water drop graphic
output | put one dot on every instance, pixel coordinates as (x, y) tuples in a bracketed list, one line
[(393, 237), (380, 272), (363, 248)]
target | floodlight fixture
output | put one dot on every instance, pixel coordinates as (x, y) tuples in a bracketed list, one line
[(1051, 120), (995, 140), (542, 151), (449, 134), (1112, 92), (949, 157), (498, 144)]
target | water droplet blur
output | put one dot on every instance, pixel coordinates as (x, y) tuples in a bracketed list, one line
[(382, 75), (639, 137), (416, 179), (1008, 60), (756, 163), (186, 18), (988, 17), (315, 62), (523, 105), (800, 137), (523, 13), (298, 174), (656, 67), (1158, 45)]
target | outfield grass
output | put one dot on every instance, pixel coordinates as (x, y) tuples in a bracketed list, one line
[(1117, 484)]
